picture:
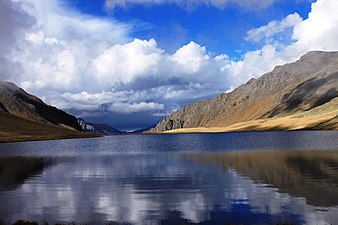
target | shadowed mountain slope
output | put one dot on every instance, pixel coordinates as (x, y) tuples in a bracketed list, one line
[(14, 128), (25, 117), (16, 101)]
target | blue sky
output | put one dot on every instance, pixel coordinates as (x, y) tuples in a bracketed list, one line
[(173, 25), (130, 63)]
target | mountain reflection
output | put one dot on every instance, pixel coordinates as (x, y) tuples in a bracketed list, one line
[(309, 174), (14, 171), (169, 188)]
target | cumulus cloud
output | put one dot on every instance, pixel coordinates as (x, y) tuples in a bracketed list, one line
[(320, 30), (191, 57), (13, 24), (135, 107), (123, 63), (57, 48), (117, 101), (249, 4)]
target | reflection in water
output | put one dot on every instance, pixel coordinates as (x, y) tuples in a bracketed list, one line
[(174, 188), (14, 171), (309, 174)]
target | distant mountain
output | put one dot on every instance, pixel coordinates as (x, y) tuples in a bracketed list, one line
[(16, 101), (261, 103), (105, 129), (97, 128), (140, 131), (25, 117)]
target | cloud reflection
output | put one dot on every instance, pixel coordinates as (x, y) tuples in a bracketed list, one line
[(158, 188)]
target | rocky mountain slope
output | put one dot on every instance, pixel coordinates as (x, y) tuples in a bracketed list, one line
[(97, 128), (25, 117), (293, 88), (16, 101)]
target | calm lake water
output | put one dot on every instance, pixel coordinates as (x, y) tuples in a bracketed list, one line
[(230, 178)]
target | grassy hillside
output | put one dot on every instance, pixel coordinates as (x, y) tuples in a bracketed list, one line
[(13, 128), (324, 117)]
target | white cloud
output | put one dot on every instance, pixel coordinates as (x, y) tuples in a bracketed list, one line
[(144, 60), (123, 63), (113, 101), (320, 30), (57, 48), (13, 23), (189, 91), (253, 65), (221, 4), (191, 57), (135, 107), (268, 31)]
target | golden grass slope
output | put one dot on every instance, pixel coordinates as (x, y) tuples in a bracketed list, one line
[(324, 117), (13, 128)]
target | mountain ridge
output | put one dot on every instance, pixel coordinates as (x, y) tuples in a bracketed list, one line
[(286, 90), (18, 102), (25, 117), (14, 129)]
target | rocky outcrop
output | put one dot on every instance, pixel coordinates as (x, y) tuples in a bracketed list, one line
[(293, 88), (85, 126), (97, 128)]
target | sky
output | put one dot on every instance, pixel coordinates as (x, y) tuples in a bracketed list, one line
[(130, 63)]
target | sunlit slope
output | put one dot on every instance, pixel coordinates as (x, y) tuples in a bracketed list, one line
[(324, 117), (274, 101)]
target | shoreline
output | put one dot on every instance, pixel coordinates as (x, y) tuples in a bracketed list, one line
[(301, 121), (48, 138), (190, 131)]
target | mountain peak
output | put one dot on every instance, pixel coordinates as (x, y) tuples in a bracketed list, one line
[(318, 56)]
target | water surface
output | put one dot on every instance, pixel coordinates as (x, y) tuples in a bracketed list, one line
[(237, 178)]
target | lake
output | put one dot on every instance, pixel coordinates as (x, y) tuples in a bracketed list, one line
[(224, 178)]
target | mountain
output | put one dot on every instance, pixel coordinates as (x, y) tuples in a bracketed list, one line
[(16, 101), (25, 117), (97, 128), (139, 131), (105, 129), (267, 103)]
